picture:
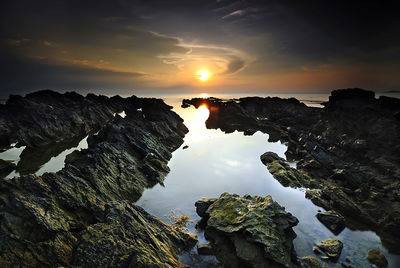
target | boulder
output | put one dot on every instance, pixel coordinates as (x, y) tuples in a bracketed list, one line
[(250, 231), (333, 220), (331, 247), (204, 249), (310, 262), (376, 257), (202, 205)]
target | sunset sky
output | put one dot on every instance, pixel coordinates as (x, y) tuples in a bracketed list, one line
[(167, 46)]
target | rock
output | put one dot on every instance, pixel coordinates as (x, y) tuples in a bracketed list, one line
[(346, 265), (281, 171), (202, 205), (249, 132), (310, 262), (82, 215), (348, 151), (204, 249), (250, 231), (6, 167), (185, 147), (376, 257), (333, 220), (331, 247), (46, 117), (318, 251), (351, 94)]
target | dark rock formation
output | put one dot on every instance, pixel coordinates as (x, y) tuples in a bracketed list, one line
[(249, 231), (376, 257), (6, 167), (205, 249), (333, 220), (331, 247), (47, 117), (347, 153), (47, 123), (83, 215), (310, 262)]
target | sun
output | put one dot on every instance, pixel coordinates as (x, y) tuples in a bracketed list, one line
[(204, 95), (203, 75)]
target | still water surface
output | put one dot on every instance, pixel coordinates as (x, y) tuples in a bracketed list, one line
[(215, 162)]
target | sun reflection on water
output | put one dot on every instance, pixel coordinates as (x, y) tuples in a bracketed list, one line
[(202, 113)]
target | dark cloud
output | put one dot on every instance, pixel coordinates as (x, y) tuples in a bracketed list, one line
[(235, 65), (70, 43)]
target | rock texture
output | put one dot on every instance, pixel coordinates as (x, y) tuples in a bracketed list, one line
[(249, 231), (331, 247), (333, 220), (347, 153), (83, 215), (47, 123), (376, 257)]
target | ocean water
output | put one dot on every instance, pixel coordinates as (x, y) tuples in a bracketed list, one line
[(215, 162)]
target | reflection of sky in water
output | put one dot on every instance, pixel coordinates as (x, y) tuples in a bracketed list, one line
[(216, 162), (55, 164), (12, 154)]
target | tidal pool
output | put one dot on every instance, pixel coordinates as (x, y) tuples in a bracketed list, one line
[(215, 162)]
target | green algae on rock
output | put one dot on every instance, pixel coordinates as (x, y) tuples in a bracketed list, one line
[(83, 215), (250, 231)]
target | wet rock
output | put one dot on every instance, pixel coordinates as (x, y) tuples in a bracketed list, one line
[(46, 117), (333, 220), (83, 216), (310, 262), (346, 265), (378, 258), (348, 151), (202, 205), (331, 247), (204, 249), (250, 231), (6, 167), (281, 171)]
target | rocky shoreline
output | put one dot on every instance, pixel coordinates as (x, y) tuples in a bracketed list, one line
[(83, 215), (347, 153)]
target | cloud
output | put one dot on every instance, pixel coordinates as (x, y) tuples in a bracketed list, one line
[(219, 60), (241, 12), (235, 65)]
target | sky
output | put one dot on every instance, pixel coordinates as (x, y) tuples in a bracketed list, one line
[(159, 47)]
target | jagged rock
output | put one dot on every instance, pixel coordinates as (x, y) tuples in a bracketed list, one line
[(250, 231), (204, 249), (202, 205), (83, 215), (45, 117), (333, 220), (331, 247), (310, 262), (281, 171), (348, 151), (378, 258)]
